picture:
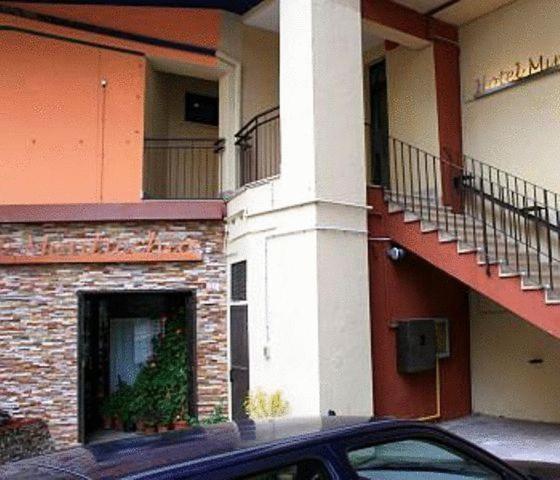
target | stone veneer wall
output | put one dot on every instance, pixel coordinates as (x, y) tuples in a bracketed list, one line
[(39, 313)]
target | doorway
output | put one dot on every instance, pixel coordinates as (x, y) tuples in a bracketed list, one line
[(379, 124), (118, 335)]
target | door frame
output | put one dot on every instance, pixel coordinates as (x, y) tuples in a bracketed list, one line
[(190, 324), (385, 179)]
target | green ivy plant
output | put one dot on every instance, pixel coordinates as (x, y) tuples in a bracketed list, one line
[(159, 394)]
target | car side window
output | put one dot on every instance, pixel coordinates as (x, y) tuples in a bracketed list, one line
[(305, 470), (414, 459)]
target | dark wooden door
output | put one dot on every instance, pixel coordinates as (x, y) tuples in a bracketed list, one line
[(239, 354), (379, 124)]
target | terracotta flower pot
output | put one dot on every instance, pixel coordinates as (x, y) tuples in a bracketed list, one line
[(180, 425), (149, 429), (118, 424), (107, 423)]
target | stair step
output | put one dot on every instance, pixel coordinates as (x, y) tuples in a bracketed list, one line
[(458, 228), (530, 285), (465, 247), (394, 208), (428, 227), (410, 217), (507, 271), (445, 237), (552, 297)]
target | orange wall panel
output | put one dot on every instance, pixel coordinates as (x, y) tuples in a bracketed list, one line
[(122, 125), (48, 116), (52, 146)]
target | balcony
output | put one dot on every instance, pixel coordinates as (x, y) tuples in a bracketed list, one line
[(182, 168), (258, 147)]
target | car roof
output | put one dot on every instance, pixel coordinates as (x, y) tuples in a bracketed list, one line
[(196, 446)]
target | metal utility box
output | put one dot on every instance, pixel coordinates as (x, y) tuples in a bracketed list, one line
[(416, 345)]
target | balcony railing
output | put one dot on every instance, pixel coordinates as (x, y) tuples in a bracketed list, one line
[(182, 168), (258, 147)]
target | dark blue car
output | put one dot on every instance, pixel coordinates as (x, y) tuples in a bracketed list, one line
[(312, 449)]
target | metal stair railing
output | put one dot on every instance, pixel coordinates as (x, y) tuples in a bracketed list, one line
[(508, 219)]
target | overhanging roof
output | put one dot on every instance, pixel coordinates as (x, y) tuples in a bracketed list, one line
[(234, 6)]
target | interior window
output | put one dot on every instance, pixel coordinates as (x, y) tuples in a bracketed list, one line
[(306, 470), (415, 459)]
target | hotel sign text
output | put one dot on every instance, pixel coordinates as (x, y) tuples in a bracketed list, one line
[(101, 250), (520, 73)]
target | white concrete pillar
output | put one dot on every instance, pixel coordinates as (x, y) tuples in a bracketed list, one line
[(230, 120), (317, 274), (321, 98)]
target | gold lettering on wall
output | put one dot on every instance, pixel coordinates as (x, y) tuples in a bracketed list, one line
[(533, 68)]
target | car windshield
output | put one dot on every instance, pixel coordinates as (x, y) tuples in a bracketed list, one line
[(408, 459)]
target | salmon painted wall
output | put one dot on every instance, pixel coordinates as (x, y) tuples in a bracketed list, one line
[(121, 20), (407, 289), (199, 27), (66, 139)]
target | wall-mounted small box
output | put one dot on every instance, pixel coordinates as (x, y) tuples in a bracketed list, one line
[(416, 345)]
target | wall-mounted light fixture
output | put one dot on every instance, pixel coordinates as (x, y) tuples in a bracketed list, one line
[(396, 253)]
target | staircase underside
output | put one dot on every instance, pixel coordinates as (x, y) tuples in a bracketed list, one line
[(512, 289)]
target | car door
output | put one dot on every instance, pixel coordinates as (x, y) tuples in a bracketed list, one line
[(408, 453), (316, 463)]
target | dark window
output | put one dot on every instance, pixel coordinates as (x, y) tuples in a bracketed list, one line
[(239, 354), (239, 281), (305, 470), (413, 459), (201, 109)]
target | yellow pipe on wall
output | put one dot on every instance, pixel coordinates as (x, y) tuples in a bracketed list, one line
[(437, 415)]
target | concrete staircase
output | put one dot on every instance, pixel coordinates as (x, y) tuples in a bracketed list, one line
[(512, 258), (512, 273)]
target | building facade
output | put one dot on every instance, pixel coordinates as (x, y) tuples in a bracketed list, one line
[(364, 189)]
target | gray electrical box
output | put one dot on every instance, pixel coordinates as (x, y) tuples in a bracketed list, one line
[(416, 345)]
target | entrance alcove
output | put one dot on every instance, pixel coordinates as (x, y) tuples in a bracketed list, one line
[(117, 331)]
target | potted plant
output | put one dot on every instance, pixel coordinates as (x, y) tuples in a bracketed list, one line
[(120, 405), (149, 427), (108, 412), (180, 422), (159, 397)]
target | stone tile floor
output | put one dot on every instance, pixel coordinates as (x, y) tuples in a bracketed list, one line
[(510, 439), (102, 436)]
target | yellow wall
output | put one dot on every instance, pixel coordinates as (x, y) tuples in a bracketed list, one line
[(260, 71), (515, 129), (170, 172), (165, 106), (503, 381), (412, 97), (156, 111)]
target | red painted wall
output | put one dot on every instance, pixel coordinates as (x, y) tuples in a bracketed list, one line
[(448, 92), (414, 288)]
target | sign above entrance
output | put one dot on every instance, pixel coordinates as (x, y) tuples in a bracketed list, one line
[(101, 249), (520, 73)]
